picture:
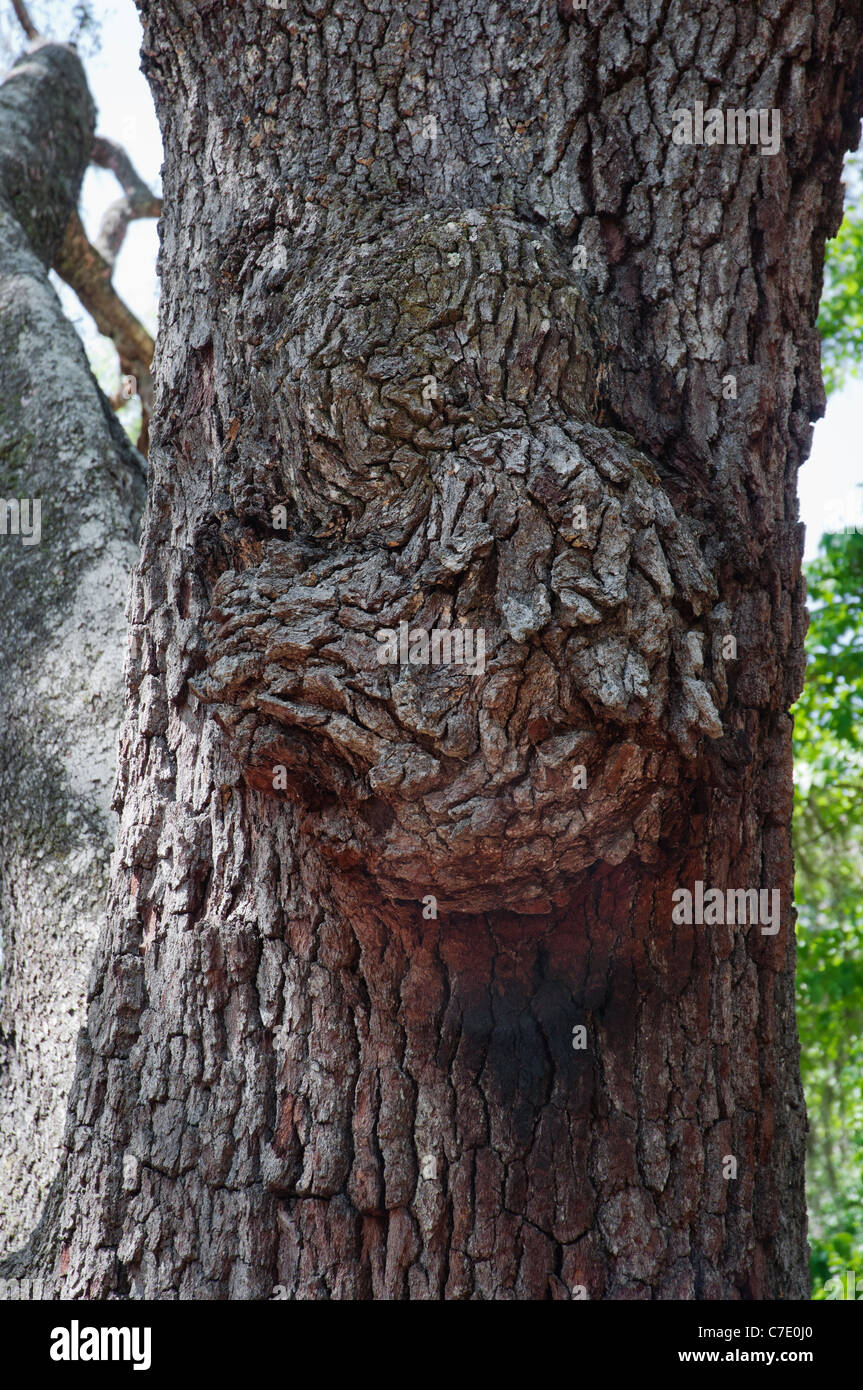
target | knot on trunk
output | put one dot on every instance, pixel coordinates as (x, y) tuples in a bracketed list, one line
[(483, 638)]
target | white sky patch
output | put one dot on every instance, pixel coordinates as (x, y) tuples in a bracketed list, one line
[(828, 481)]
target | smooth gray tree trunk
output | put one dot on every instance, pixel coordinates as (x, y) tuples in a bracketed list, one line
[(454, 334), (63, 591)]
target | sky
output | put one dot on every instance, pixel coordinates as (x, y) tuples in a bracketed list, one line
[(830, 495)]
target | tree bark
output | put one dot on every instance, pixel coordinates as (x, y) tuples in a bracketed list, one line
[(62, 626), (438, 283)]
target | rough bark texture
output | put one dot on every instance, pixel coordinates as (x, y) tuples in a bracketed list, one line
[(61, 630), (291, 1075)]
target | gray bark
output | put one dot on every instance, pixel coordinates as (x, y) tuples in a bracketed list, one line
[(370, 317), (62, 630)]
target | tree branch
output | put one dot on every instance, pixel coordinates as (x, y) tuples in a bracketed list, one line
[(139, 200), (85, 269), (88, 270), (24, 18)]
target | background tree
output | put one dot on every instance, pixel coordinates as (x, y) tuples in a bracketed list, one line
[(62, 600), (840, 318), (829, 871), (375, 318), (61, 632), (829, 783)]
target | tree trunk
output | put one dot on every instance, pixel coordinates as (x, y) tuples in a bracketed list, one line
[(454, 335), (63, 590)]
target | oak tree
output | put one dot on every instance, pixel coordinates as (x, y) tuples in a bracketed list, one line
[(456, 336)]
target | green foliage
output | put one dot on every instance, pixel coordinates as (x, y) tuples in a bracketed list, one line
[(829, 860), (840, 318), (828, 822), (832, 701), (840, 321), (835, 1257)]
